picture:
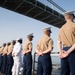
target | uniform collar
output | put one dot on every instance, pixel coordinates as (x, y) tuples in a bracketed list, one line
[(46, 36)]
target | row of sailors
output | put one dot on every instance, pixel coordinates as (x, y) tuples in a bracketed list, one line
[(6, 59), (11, 55), (66, 46)]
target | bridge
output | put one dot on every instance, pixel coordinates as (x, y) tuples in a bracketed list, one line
[(35, 10)]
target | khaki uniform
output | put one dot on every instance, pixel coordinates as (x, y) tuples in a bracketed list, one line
[(27, 59), (1, 50), (44, 43), (5, 49), (44, 61), (10, 49), (4, 59), (67, 38), (67, 34), (9, 60), (27, 44)]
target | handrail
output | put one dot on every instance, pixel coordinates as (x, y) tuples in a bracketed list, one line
[(53, 3), (34, 61)]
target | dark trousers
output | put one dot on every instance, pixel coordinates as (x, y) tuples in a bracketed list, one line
[(0, 62), (9, 65), (44, 66), (27, 64), (68, 63), (4, 63)]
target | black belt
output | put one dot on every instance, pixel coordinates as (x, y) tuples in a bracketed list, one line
[(45, 54), (66, 48), (27, 53)]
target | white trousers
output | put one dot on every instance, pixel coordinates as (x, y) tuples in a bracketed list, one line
[(16, 66)]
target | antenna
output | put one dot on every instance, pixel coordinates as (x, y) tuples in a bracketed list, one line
[(53, 3)]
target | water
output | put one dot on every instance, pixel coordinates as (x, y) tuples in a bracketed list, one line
[(55, 60)]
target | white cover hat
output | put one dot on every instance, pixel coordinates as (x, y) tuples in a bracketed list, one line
[(68, 12), (18, 39), (30, 35), (49, 28)]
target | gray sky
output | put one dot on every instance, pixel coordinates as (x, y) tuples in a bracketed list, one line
[(14, 25)]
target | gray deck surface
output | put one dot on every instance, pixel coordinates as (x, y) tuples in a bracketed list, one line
[(54, 72)]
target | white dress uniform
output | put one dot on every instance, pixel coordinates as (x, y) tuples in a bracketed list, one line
[(17, 58)]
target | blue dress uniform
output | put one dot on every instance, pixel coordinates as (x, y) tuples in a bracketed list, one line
[(0, 58), (66, 39), (0, 61), (4, 60), (44, 66), (9, 58), (27, 59)]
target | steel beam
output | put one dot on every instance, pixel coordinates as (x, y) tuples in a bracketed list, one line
[(19, 5), (38, 14), (29, 10), (4, 2), (53, 20)]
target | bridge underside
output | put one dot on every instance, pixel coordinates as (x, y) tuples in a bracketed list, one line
[(34, 9)]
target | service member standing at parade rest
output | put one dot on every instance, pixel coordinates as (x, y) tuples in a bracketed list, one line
[(17, 57), (66, 45), (43, 50), (27, 59), (8, 44), (4, 54), (1, 57), (10, 58)]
